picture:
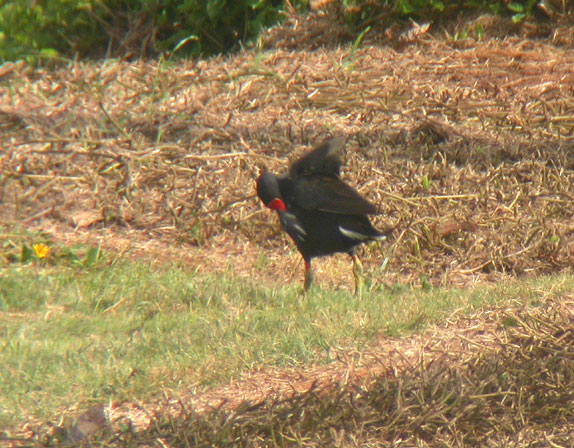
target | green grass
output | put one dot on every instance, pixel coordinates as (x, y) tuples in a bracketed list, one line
[(78, 335)]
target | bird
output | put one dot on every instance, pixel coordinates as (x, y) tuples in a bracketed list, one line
[(322, 214)]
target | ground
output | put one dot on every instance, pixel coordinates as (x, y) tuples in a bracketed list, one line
[(463, 142), (464, 145)]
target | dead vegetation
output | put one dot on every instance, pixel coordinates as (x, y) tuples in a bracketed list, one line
[(466, 146)]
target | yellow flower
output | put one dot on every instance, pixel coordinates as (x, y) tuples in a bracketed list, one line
[(41, 250)]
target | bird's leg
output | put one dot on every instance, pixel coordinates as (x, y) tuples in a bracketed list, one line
[(358, 273), (308, 276)]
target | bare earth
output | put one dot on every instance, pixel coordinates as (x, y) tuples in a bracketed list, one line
[(467, 147)]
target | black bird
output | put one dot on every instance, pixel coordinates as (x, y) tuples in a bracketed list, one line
[(322, 214)]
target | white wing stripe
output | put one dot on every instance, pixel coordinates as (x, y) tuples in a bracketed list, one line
[(299, 229), (353, 235), (359, 236)]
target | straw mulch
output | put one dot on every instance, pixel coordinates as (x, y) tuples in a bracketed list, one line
[(465, 146)]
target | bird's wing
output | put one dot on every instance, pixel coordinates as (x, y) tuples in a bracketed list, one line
[(292, 226), (330, 194), (324, 159)]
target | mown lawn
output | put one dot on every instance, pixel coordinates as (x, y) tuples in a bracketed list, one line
[(75, 335)]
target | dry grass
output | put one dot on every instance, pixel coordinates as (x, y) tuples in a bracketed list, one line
[(466, 145)]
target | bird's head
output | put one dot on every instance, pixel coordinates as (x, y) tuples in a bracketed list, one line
[(268, 192)]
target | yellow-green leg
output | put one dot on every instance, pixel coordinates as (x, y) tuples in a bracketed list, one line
[(358, 273)]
